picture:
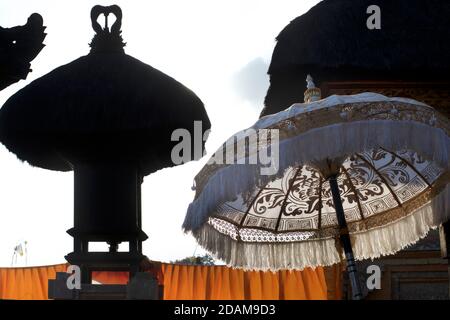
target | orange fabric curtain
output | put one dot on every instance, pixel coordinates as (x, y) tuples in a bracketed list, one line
[(216, 283), (27, 283), (183, 282)]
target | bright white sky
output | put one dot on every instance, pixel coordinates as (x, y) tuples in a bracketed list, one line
[(219, 49)]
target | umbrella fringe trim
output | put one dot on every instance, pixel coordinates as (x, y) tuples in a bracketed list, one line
[(404, 232), (370, 244)]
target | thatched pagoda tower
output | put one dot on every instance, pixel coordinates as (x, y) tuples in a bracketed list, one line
[(108, 117)]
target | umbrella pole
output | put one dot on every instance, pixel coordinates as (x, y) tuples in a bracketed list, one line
[(344, 237)]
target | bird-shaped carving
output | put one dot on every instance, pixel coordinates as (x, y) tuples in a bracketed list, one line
[(18, 47)]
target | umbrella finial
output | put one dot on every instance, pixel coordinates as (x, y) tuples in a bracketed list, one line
[(312, 93), (107, 39)]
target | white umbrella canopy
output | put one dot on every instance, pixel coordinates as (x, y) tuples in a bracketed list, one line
[(389, 156)]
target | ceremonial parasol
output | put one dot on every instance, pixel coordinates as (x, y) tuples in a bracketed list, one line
[(367, 169)]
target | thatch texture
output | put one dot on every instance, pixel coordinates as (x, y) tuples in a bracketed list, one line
[(332, 42), (100, 106), (18, 47)]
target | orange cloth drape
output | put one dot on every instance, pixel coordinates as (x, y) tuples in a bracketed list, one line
[(183, 282), (27, 283), (218, 282)]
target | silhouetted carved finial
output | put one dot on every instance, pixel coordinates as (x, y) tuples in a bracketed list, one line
[(98, 10), (18, 47), (106, 39)]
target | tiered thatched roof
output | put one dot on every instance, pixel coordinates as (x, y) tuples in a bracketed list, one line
[(332, 42), (105, 105)]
